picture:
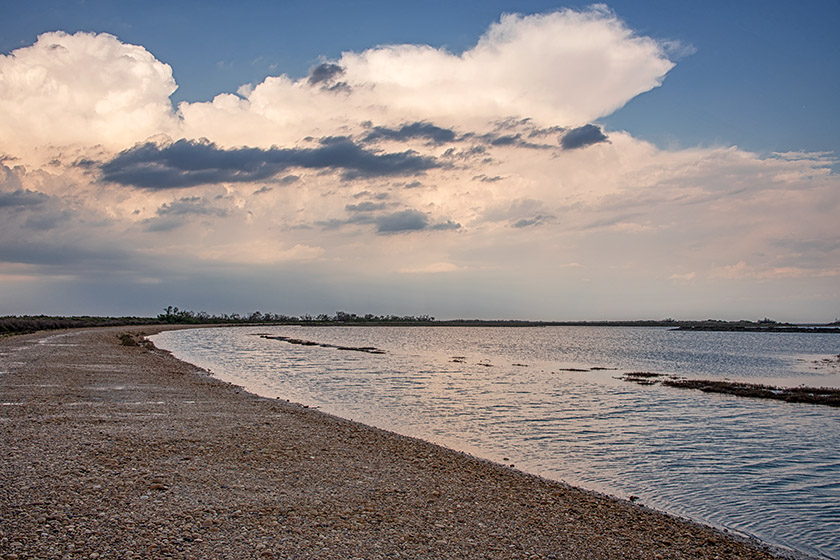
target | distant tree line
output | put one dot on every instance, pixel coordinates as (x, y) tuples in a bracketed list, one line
[(174, 315)]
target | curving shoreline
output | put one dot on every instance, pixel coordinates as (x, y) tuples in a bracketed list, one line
[(117, 449)]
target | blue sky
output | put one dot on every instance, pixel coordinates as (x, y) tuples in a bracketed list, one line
[(636, 159)]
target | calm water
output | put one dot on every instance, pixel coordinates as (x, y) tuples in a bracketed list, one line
[(764, 468)]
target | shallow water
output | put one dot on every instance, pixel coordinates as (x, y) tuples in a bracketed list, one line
[(765, 468)]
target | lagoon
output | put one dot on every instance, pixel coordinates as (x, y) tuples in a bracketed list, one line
[(550, 401)]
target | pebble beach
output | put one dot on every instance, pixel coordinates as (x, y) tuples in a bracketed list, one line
[(112, 448)]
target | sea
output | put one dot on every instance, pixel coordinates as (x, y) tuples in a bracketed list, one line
[(553, 401)]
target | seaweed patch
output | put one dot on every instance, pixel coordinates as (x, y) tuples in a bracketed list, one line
[(301, 342), (827, 396)]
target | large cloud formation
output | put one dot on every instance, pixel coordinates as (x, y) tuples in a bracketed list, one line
[(384, 170), (563, 68)]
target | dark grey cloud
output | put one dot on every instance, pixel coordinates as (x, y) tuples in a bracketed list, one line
[(471, 152), (448, 225), (410, 220), (325, 72), (188, 163), (21, 198), (531, 222), (368, 194), (337, 87), (430, 132), (86, 163), (288, 180), (512, 123), (402, 221), (193, 205), (499, 140), (519, 133), (505, 140), (581, 137), (366, 206), (540, 132), (486, 179)]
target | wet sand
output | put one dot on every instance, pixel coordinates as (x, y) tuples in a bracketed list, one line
[(121, 451)]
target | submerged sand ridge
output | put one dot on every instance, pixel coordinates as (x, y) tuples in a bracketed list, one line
[(115, 450)]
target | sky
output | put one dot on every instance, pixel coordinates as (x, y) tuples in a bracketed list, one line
[(475, 159)]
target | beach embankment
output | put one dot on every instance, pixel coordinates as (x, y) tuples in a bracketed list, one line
[(115, 449)]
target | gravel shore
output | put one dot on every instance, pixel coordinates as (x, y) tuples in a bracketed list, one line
[(117, 450)]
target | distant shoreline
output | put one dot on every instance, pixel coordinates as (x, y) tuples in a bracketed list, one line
[(34, 323)]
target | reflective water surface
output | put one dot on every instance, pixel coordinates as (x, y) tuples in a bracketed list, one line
[(765, 468)]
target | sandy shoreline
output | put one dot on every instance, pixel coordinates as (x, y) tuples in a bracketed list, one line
[(114, 451)]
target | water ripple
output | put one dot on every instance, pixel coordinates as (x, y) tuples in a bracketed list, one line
[(766, 468)]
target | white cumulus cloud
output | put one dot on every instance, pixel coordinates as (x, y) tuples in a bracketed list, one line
[(85, 89), (562, 68)]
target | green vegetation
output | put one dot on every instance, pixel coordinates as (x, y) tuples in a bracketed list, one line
[(175, 315), (127, 339), (32, 323)]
